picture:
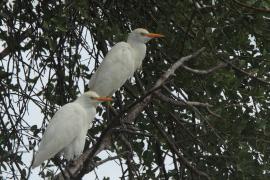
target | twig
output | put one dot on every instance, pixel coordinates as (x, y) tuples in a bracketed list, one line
[(180, 103), (252, 8), (175, 150), (198, 115), (92, 166), (188, 132), (244, 72), (214, 114), (20, 39), (110, 159), (134, 132), (131, 169)]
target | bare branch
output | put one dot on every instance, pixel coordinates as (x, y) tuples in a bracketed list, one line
[(175, 66), (203, 72)]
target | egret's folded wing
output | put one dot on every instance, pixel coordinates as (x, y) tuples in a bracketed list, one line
[(61, 131), (115, 69)]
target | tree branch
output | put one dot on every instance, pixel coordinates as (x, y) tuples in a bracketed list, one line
[(174, 149), (203, 72), (180, 103), (264, 10), (175, 66), (244, 72), (110, 159)]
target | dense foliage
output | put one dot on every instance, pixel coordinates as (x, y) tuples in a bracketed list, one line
[(213, 113)]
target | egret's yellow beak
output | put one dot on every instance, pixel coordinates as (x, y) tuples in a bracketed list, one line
[(103, 99), (153, 35)]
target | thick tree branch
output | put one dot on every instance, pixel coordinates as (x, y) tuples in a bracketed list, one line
[(80, 165)]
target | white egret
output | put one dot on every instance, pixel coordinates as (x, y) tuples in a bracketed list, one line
[(67, 130), (121, 62)]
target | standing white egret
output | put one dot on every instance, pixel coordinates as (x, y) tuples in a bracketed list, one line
[(67, 130), (121, 62)]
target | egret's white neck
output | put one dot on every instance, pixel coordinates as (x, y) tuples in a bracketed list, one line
[(139, 51)]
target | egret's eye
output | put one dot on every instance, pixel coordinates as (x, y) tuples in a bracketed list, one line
[(142, 33)]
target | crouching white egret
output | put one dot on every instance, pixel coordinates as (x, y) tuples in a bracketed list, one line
[(67, 129), (121, 62)]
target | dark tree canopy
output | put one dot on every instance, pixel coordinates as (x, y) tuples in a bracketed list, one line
[(209, 120)]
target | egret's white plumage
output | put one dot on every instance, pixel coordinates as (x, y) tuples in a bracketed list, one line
[(67, 129), (121, 62)]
